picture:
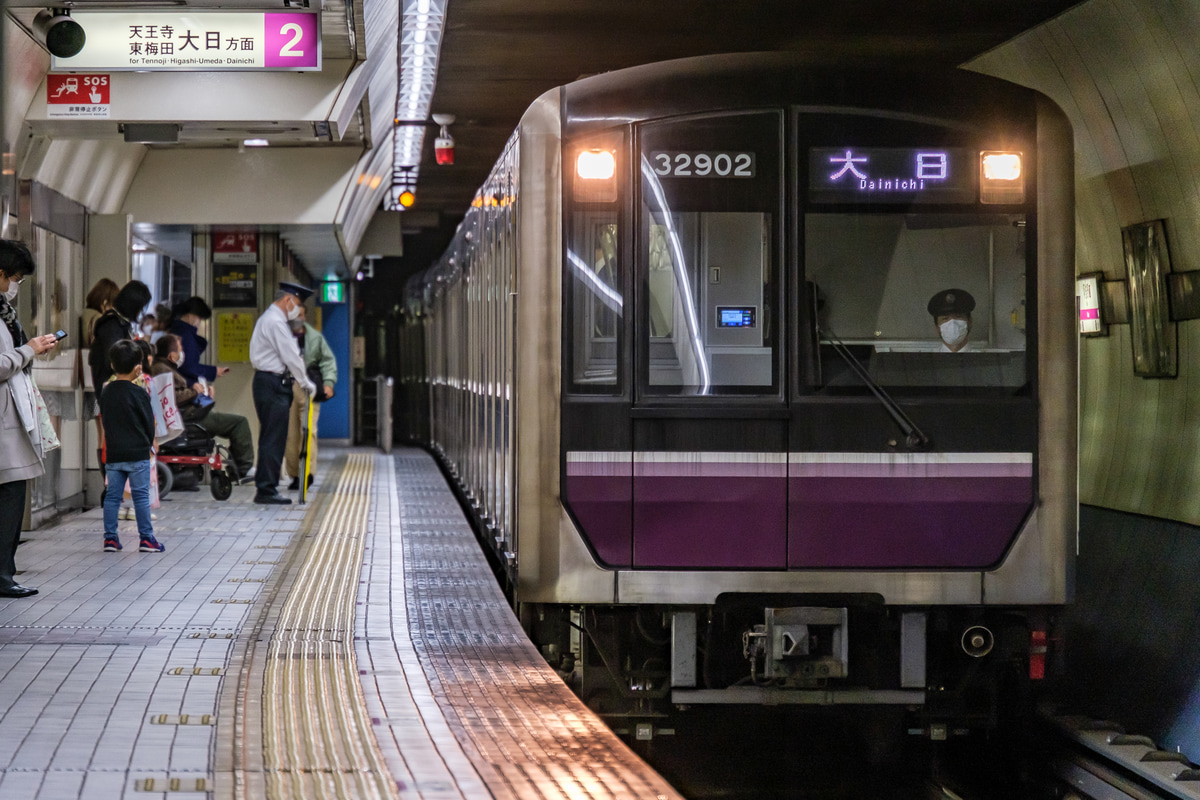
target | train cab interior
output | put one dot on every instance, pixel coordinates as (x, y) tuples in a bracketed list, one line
[(872, 277)]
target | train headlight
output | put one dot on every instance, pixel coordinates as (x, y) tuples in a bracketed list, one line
[(597, 165), (1001, 177), (595, 176)]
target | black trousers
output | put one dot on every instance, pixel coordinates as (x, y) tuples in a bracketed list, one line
[(12, 512), (272, 401)]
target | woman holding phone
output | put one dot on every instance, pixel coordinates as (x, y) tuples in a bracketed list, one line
[(20, 434)]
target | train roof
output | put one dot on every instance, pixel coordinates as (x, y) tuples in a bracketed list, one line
[(749, 80)]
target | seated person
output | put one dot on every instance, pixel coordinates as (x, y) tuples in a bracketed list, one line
[(951, 311), (233, 427)]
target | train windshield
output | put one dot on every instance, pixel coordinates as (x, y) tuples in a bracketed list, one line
[(710, 205), (921, 300)]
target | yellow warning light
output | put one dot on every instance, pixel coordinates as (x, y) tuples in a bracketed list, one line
[(1001, 166), (595, 165), (407, 199)]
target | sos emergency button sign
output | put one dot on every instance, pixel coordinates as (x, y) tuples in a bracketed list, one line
[(77, 96)]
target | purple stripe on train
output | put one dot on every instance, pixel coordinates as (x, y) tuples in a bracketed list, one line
[(828, 510)]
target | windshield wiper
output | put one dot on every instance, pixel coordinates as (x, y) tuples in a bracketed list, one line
[(914, 439)]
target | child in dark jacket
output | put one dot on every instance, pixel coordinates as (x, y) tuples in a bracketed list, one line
[(129, 435)]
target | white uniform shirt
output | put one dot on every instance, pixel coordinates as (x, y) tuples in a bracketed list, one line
[(273, 348)]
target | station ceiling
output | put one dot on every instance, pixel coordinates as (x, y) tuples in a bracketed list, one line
[(499, 55)]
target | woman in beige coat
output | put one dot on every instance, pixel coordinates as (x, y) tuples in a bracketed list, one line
[(20, 433)]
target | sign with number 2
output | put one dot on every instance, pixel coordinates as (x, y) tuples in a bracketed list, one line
[(196, 40)]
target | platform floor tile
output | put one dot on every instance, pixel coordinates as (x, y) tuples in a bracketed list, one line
[(106, 676)]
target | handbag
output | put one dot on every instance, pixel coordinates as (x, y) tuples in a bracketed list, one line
[(168, 424), (45, 426), (314, 375)]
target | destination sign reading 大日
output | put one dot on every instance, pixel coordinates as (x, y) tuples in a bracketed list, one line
[(196, 41), (892, 175)]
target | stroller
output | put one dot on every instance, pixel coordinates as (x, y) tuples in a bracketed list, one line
[(196, 452)]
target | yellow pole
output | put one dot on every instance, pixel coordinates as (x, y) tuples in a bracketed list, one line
[(307, 454)]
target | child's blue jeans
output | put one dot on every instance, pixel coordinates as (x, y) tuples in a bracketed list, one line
[(138, 475)]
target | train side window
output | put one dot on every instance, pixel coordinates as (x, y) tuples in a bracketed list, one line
[(596, 303), (593, 279), (709, 211), (921, 300)]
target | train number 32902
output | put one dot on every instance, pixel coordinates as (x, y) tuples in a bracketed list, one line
[(703, 165)]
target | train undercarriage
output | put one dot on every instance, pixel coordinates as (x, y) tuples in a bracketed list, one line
[(944, 672)]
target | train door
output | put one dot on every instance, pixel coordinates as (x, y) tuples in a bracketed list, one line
[(915, 425), (709, 421)]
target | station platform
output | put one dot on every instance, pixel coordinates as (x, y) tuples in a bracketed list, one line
[(353, 647)]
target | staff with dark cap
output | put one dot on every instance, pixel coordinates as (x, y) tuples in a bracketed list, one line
[(277, 366), (951, 311)]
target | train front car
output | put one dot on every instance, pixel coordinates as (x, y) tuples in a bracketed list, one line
[(818, 391)]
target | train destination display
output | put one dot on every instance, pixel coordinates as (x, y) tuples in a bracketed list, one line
[(892, 175)]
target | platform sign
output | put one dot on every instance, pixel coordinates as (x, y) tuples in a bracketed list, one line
[(1087, 289), (233, 336), (196, 41), (77, 96), (234, 246), (333, 292)]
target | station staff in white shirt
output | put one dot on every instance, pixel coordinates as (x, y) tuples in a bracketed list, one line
[(277, 365)]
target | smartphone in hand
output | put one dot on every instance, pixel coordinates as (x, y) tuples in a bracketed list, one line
[(60, 335)]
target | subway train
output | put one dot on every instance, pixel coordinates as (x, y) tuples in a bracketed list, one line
[(759, 381)]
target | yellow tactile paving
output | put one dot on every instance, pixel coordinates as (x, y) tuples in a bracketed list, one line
[(315, 738)]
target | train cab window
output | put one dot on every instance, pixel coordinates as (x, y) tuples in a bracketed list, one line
[(709, 210), (919, 300), (593, 280)]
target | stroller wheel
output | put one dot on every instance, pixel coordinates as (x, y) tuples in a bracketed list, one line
[(166, 479), (220, 485)]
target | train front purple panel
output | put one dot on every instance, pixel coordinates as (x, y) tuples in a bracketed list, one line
[(819, 510), (726, 510), (599, 491), (909, 510)]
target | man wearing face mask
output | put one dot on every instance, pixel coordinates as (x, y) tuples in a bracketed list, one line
[(278, 366), (169, 357), (951, 311)]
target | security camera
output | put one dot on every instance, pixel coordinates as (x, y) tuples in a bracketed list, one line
[(63, 36)]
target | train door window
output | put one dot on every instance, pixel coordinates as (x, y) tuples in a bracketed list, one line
[(919, 300), (710, 204), (593, 276)]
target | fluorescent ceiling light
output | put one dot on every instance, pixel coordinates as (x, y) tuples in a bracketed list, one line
[(421, 25)]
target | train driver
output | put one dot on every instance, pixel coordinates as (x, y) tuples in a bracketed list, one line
[(951, 311)]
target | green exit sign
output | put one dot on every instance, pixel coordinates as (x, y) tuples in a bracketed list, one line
[(333, 292)]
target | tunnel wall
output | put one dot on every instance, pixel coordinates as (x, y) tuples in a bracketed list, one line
[(1127, 73)]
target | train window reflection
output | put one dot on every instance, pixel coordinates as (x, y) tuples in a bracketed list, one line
[(708, 222), (707, 278), (596, 304), (920, 299)]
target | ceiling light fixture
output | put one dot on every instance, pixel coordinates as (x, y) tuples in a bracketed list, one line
[(421, 26)]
